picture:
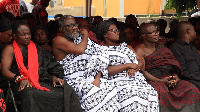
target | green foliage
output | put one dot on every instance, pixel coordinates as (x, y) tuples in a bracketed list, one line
[(180, 6)]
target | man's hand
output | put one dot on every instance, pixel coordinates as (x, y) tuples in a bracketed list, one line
[(57, 80), (174, 81), (84, 32), (170, 81), (24, 83), (167, 81)]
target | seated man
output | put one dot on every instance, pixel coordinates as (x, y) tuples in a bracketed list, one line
[(72, 50), (186, 53), (35, 76), (162, 71)]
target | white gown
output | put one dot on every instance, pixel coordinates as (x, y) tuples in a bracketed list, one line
[(135, 94)]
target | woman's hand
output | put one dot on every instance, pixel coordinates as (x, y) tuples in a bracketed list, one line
[(57, 80), (96, 81), (130, 73), (24, 83)]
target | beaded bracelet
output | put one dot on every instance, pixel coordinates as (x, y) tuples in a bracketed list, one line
[(14, 78)]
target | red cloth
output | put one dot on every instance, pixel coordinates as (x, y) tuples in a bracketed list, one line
[(162, 57), (33, 65), (2, 102), (183, 94), (10, 6)]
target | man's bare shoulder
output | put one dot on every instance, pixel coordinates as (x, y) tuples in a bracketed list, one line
[(58, 38), (9, 49), (139, 49)]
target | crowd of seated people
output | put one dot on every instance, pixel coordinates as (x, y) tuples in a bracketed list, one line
[(94, 65)]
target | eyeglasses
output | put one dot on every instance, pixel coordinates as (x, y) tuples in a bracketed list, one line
[(153, 33), (71, 25), (114, 30)]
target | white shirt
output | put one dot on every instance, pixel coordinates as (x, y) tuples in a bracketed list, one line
[(29, 7)]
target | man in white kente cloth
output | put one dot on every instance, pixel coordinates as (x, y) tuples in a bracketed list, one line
[(73, 50)]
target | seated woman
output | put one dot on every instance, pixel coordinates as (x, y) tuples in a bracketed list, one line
[(134, 93), (35, 76), (2, 102)]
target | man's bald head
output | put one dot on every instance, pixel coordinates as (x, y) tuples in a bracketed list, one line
[(144, 27), (149, 33), (186, 31), (183, 26)]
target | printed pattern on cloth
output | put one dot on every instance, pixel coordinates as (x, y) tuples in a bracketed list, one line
[(92, 98), (134, 94)]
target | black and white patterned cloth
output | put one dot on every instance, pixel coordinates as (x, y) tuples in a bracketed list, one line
[(135, 94), (92, 98)]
